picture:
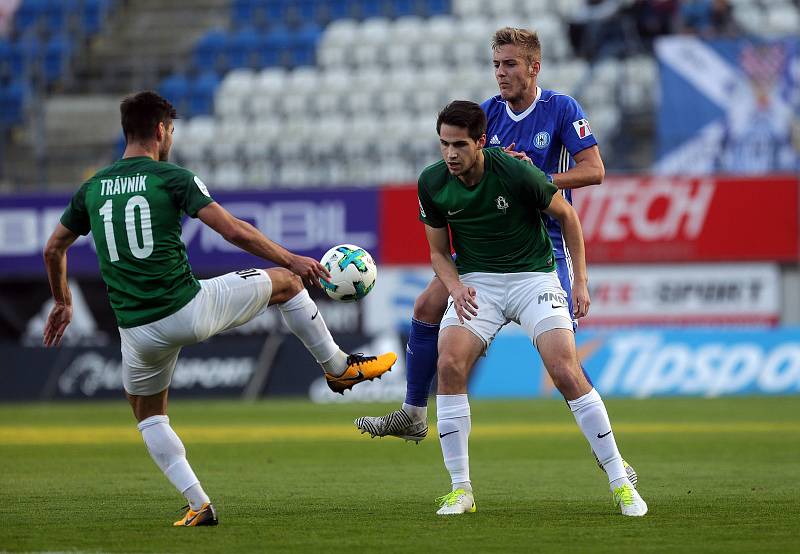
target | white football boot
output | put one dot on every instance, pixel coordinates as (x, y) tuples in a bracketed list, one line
[(459, 501), (629, 501)]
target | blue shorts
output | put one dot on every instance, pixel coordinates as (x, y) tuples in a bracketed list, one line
[(564, 270)]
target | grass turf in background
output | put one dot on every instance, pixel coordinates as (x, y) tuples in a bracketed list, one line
[(719, 476)]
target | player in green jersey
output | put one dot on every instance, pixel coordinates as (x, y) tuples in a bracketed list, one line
[(504, 271), (133, 209)]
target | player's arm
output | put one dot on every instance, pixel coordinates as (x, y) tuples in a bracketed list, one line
[(442, 262), (55, 262), (573, 236), (589, 170), (250, 239)]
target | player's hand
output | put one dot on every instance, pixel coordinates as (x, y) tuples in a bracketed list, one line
[(309, 269), (517, 155), (465, 301), (57, 322), (580, 300)]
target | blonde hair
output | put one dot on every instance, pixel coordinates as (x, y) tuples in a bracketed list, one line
[(527, 40)]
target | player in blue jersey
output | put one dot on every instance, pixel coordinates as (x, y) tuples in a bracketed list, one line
[(546, 128)]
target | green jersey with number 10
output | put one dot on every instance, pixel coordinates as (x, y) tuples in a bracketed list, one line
[(133, 209)]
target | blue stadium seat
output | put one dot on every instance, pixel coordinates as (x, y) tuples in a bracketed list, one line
[(436, 7), (94, 13), (175, 88), (25, 55), (242, 48), (332, 9), (28, 14), (209, 52), (303, 47), (398, 8), (12, 103), (242, 12), (275, 47), (362, 9), (5, 58), (56, 57), (301, 12), (275, 10), (201, 94)]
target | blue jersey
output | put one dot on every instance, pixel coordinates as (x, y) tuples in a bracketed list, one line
[(551, 131)]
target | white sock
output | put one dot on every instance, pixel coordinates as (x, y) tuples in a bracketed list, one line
[(168, 453), (592, 418), (417, 413), (454, 424), (302, 317)]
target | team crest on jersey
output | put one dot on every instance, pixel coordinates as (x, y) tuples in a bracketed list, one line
[(502, 204), (541, 140), (582, 128)]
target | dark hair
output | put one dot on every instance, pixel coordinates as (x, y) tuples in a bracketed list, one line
[(465, 114), (142, 112)]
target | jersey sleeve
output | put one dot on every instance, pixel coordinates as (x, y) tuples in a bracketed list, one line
[(429, 214), (75, 216), (576, 134), (189, 192)]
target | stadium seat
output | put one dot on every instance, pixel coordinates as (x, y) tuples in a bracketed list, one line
[(500, 8), (209, 52), (243, 12), (29, 13), (332, 56), (56, 58), (12, 103), (201, 94), (175, 88), (93, 16), (468, 8), (366, 9), (229, 99), (259, 174), (341, 32), (399, 8), (227, 175), (436, 7), (242, 49), (198, 138), (232, 134), (408, 30)]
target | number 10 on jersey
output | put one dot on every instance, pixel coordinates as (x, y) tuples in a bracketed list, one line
[(140, 251)]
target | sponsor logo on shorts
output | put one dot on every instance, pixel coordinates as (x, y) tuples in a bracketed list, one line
[(557, 300)]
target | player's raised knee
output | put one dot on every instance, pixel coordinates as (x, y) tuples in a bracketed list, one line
[(285, 285)]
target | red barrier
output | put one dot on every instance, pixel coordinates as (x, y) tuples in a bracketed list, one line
[(648, 219)]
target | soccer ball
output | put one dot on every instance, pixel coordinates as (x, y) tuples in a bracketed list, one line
[(353, 273)]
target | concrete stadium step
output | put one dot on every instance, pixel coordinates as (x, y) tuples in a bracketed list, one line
[(144, 41)]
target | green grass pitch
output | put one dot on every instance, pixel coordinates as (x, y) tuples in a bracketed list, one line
[(287, 476)]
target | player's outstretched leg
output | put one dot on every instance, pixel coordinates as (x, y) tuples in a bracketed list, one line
[(302, 317), (410, 422), (557, 348)]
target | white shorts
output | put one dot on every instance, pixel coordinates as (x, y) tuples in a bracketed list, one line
[(534, 300), (150, 351)]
